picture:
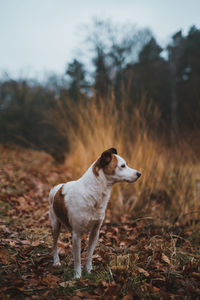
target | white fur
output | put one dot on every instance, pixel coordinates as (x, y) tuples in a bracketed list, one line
[(86, 200)]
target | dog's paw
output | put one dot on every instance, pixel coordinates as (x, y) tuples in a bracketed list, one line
[(77, 275), (88, 268), (57, 264)]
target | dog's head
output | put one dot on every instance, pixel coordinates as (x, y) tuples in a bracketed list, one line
[(115, 167)]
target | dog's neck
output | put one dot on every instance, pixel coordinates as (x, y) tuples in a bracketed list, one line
[(96, 185), (97, 181)]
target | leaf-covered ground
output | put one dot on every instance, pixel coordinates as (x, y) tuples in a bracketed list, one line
[(134, 259)]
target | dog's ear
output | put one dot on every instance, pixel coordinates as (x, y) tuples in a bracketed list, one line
[(113, 150), (106, 157), (103, 160)]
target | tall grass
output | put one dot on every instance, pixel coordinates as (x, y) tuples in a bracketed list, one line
[(167, 182)]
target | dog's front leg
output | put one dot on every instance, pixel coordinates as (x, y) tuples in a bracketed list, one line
[(93, 237), (76, 249)]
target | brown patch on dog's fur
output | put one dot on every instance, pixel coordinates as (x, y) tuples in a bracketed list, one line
[(110, 168), (60, 208), (104, 161), (96, 168)]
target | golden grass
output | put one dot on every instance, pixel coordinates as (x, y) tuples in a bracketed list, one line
[(94, 125)]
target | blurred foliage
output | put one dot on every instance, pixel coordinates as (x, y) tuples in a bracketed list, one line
[(24, 117), (127, 64)]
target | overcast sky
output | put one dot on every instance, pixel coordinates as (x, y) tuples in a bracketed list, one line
[(42, 36)]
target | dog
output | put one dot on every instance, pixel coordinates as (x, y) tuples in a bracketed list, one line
[(80, 205)]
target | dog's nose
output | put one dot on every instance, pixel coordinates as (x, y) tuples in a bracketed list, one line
[(139, 174)]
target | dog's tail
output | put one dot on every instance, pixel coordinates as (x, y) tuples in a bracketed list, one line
[(53, 191)]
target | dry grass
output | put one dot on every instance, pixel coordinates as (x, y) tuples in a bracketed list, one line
[(94, 125)]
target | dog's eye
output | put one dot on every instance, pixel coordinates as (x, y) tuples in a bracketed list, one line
[(123, 166)]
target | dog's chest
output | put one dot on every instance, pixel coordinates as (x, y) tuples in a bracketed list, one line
[(95, 212), (96, 206)]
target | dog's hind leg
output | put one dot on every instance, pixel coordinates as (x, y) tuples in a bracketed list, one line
[(56, 226), (56, 232), (93, 237), (76, 249)]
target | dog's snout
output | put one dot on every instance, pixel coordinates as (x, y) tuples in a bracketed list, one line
[(139, 174)]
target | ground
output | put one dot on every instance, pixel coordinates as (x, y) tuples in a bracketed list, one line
[(136, 258)]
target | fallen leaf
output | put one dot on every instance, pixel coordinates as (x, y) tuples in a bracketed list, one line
[(62, 245), (99, 291), (141, 270), (69, 283), (80, 294), (4, 229), (155, 289), (44, 296), (195, 274), (51, 280), (12, 243), (25, 242), (128, 297), (35, 243), (4, 256), (165, 259)]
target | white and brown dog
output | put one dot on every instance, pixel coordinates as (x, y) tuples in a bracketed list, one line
[(80, 205)]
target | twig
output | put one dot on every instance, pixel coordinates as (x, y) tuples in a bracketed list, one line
[(191, 212), (190, 254), (179, 237), (144, 218), (110, 273), (174, 246)]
